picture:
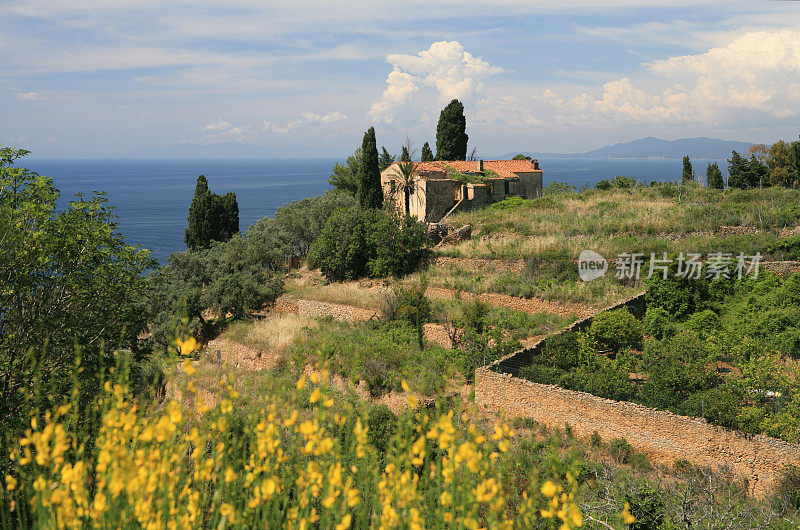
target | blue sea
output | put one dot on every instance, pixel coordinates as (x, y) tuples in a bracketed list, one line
[(152, 196)]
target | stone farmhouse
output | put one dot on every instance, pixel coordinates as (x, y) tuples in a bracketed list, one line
[(434, 190)]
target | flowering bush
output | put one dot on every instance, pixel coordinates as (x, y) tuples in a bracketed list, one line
[(313, 464)]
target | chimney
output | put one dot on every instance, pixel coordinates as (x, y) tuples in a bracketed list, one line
[(480, 165), (535, 163)]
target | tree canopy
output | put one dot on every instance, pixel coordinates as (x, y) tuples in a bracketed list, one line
[(211, 217), (385, 159), (714, 177), (451, 135), (345, 176), (357, 242), (71, 288), (688, 174), (427, 154)]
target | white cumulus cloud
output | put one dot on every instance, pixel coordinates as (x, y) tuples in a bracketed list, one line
[(219, 125), (753, 80), (434, 76)]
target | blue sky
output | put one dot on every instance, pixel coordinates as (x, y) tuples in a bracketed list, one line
[(308, 77)]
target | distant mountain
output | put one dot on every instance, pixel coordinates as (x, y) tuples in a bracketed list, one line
[(650, 147)]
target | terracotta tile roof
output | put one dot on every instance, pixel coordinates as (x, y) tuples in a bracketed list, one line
[(504, 168)]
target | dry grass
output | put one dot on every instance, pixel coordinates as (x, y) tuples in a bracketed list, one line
[(273, 335), (347, 293)]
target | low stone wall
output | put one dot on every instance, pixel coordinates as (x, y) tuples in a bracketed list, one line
[(663, 436), (319, 309), (513, 362)]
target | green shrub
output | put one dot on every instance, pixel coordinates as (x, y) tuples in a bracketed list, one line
[(721, 405), (615, 329), (677, 368), (596, 440), (704, 322), (788, 488), (604, 184), (657, 323), (620, 450), (619, 181), (382, 354), (788, 248), (525, 423), (558, 188), (410, 305), (546, 375), (648, 507), (562, 350), (382, 424), (510, 203), (358, 242), (605, 381), (400, 248), (553, 264)]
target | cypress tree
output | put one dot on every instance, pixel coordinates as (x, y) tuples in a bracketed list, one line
[(201, 217), (714, 178), (405, 156), (369, 174), (688, 174), (795, 148), (757, 172), (451, 133), (427, 154), (229, 216), (385, 160), (738, 171), (211, 217)]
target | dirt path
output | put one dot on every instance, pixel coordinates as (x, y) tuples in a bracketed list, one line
[(528, 305)]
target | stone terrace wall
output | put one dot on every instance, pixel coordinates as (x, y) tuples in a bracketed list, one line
[(319, 309), (512, 363), (663, 436)]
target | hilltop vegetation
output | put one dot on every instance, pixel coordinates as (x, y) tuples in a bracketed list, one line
[(221, 411), (547, 234)]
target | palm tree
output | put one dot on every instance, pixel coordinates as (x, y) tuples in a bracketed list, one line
[(408, 171)]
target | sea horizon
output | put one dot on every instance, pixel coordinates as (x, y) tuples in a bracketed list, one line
[(151, 196)]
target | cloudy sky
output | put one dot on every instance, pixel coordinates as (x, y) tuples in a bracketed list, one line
[(116, 76)]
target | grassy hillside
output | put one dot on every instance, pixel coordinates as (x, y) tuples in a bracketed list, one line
[(545, 236)]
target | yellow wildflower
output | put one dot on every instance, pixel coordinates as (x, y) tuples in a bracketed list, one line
[(549, 489), (188, 346), (188, 367), (174, 412), (345, 524), (226, 510), (627, 518)]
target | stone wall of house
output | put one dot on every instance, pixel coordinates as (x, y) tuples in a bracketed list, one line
[(531, 184), (663, 436), (440, 197)]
